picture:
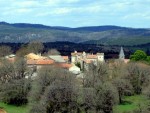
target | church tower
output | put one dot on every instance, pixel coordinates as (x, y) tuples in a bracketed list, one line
[(121, 54)]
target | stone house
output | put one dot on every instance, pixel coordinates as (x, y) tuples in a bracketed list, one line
[(86, 58)]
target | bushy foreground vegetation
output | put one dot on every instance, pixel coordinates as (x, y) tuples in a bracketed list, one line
[(55, 90)]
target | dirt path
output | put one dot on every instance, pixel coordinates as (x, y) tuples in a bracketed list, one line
[(2, 111)]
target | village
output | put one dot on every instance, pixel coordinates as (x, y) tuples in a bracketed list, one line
[(76, 63)]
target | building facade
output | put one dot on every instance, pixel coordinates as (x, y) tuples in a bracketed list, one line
[(86, 58)]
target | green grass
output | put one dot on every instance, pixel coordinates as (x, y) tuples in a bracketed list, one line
[(14, 109), (131, 103)]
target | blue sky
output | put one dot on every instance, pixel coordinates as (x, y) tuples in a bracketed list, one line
[(76, 13)]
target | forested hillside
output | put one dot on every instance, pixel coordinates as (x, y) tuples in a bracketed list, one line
[(108, 35)]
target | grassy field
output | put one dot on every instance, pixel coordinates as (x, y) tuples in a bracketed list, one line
[(14, 109), (131, 103)]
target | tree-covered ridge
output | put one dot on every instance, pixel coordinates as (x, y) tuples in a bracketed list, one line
[(112, 35)]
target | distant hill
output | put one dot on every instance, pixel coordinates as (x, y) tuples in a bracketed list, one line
[(108, 35)]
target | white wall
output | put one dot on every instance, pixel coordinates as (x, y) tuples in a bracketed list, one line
[(73, 59), (75, 70), (100, 58)]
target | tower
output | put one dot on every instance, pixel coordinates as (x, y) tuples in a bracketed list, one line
[(121, 54)]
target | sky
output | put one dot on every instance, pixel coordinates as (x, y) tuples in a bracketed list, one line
[(77, 13)]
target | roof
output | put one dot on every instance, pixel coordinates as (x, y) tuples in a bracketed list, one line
[(34, 56), (65, 57), (31, 62), (91, 57), (57, 58), (40, 62), (44, 62), (64, 65), (121, 54)]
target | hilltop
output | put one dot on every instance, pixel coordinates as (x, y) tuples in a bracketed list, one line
[(108, 35)]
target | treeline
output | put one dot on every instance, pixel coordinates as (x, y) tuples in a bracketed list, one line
[(65, 48)]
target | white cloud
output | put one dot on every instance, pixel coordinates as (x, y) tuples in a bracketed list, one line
[(57, 11), (62, 11), (145, 15), (80, 10), (16, 11), (58, 2), (27, 3), (71, 10)]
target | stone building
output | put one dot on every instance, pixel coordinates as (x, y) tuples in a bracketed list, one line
[(86, 58)]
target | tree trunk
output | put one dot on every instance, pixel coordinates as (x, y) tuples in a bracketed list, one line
[(120, 98)]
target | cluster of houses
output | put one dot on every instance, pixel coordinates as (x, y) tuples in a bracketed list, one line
[(70, 64), (37, 61), (84, 59)]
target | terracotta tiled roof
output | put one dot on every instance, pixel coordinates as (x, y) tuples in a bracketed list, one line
[(64, 65), (31, 62), (44, 62), (40, 62), (91, 56)]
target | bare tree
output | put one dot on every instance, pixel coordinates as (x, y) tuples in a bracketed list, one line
[(106, 97), (5, 50), (95, 74), (105, 94), (22, 51), (6, 71), (138, 76), (117, 69), (35, 47), (15, 87), (123, 86), (55, 90), (53, 52), (88, 104)]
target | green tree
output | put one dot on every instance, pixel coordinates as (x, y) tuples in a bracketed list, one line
[(139, 55), (148, 59)]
